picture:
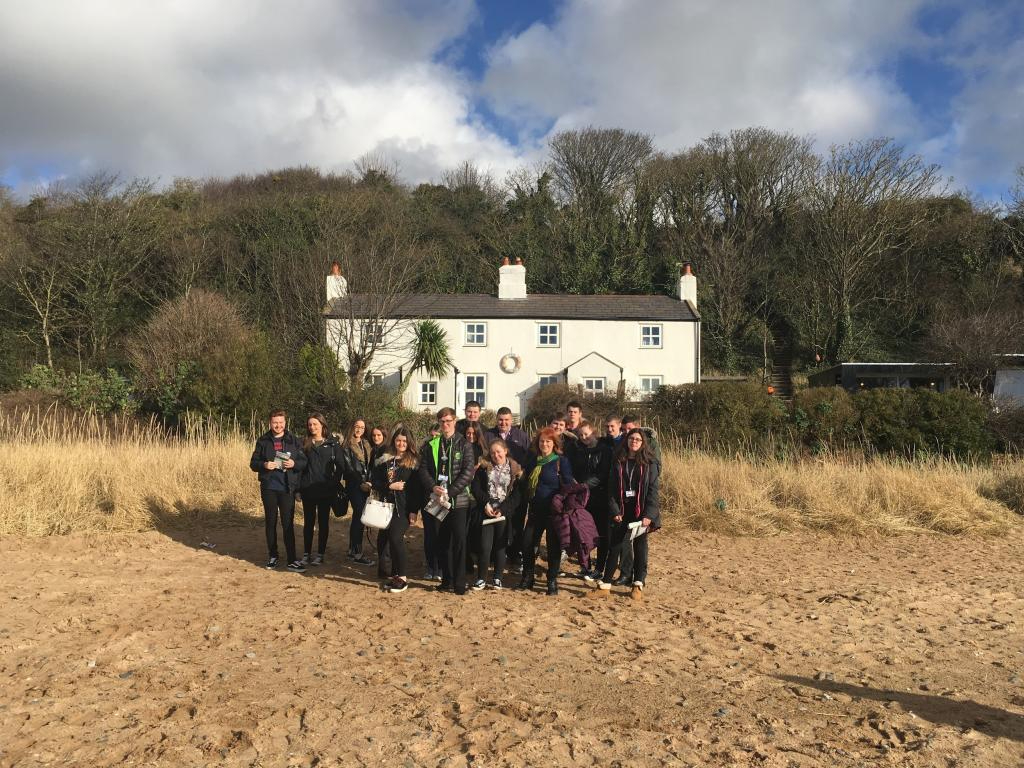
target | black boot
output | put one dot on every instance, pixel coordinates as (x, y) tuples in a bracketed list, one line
[(552, 586), (526, 582)]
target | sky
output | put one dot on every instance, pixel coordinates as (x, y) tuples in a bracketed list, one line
[(194, 88)]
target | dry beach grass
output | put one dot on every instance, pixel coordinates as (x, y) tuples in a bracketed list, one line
[(84, 475)]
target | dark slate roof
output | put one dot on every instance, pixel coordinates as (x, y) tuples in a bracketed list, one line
[(472, 306)]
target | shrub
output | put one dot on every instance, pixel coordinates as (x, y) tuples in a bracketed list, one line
[(919, 421), (1006, 423), (824, 417), (106, 392), (721, 414), (197, 353)]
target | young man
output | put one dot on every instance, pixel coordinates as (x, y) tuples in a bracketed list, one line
[(613, 431), (517, 440), (473, 410), (446, 467), (278, 460), (573, 417)]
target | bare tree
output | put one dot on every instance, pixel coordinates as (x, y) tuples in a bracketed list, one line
[(728, 201), (1015, 215), (382, 262), (594, 165), (863, 207)]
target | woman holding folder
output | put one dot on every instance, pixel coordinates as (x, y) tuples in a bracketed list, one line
[(632, 508), (496, 491)]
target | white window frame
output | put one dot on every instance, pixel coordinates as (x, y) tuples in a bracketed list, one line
[(557, 333), (466, 332), (376, 377), (651, 377), (589, 390), (647, 332), (431, 394), (555, 378), (480, 395)]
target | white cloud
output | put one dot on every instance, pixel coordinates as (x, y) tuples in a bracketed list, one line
[(199, 88), (681, 71)]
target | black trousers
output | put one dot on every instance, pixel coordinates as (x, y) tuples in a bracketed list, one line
[(538, 521), (431, 546), (393, 538), (452, 535), (279, 503), (357, 500), (621, 547), (492, 540), (316, 511)]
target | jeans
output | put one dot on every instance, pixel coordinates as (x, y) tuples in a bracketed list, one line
[(316, 511), (492, 539), (538, 521), (621, 547), (283, 503), (357, 500)]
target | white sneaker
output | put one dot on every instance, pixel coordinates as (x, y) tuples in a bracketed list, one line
[(479, 584)]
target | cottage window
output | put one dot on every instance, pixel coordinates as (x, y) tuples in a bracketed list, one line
[(475, 334), (549, 379), (649, 385), (548, 335), (594, 386), (428, 393), (476, 388), (374, 331), (650, 336)]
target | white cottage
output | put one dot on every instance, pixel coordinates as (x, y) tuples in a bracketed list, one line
[(507, 346)]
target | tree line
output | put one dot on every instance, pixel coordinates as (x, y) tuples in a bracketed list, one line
[(862, 252)]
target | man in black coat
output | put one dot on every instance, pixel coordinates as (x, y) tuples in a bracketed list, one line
[(278, 460), (446, 467)]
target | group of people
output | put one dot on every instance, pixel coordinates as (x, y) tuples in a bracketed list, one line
[(487, 497)]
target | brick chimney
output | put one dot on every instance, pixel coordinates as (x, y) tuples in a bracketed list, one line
[(688, 285), (337, 285), (511, 280)]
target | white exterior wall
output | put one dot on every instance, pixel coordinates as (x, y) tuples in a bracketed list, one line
[(619, 340), (1009, 385)]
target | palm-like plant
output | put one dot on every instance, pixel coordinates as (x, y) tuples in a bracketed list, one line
[(429, 351)]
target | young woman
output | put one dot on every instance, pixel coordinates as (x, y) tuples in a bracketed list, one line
[(378, 447), (319, 485), (357, 451), (475, 437), (394, 469), (546, 470), (496, 491), (378, 443), (632, 497)]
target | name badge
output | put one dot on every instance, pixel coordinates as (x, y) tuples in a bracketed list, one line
[(630, 494), (442, 479)]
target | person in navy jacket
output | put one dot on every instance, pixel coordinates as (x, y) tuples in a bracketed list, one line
[(278, 462), (546, 471)]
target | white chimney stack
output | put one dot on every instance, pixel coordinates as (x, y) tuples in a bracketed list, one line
[(337, 285), (511, 280), (688, 285)]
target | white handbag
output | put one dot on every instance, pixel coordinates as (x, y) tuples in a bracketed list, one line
[(377, 514)]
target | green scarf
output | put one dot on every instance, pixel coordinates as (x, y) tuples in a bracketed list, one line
[(534, 480)]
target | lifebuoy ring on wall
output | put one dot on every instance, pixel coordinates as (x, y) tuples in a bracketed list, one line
[(510, 363)]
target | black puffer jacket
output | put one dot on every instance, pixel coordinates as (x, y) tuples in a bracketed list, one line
[(264, 452), (322, 475)]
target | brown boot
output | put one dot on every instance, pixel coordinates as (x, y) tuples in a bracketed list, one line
[(637, 593)]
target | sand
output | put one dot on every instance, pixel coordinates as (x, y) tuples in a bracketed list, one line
[(150, 649)]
